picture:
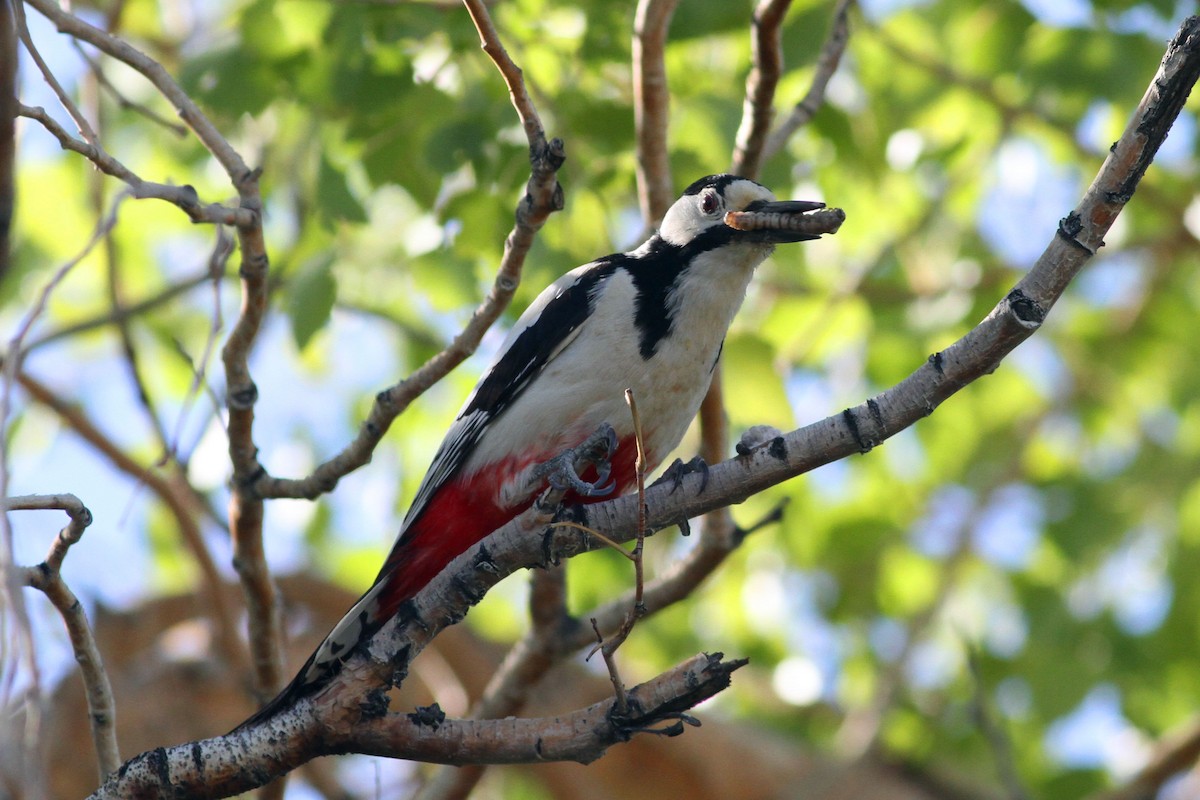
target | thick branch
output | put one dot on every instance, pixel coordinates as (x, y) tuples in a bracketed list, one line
[(357, 693), (217, 767), (582, 735)]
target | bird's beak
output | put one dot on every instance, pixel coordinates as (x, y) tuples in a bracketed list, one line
[(782, 221)]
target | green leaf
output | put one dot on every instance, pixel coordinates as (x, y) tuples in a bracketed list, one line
[(310, 297), (335, 201)]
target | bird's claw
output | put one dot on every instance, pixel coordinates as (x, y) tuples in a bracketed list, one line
[(679, 468), (562, 471), (756, 436)]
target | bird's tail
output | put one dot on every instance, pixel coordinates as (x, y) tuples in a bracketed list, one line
[(361, 622)]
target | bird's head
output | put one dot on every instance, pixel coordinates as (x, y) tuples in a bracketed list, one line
[(726, 209)]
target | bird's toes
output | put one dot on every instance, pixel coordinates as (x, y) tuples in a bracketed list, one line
[(679, 468)]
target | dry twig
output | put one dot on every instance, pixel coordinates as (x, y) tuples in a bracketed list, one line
[(47, 578), (543, 196), (827, 64)]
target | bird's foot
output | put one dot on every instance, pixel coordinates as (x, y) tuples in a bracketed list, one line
[(563, 470), (756, 436), (679, 468)]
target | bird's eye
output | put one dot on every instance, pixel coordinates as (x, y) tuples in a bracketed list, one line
[(709, 202)]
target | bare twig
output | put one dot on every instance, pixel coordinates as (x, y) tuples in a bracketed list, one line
[(124, 102), (121, 50), (245, 508), (827, 64), (171, 491), (113, 316), (47, 578), (8, 132), (81, 122), (608, 648), (222, 250), (14, 599), (651, 101), (758, 106), (184, 197), (543, 196)]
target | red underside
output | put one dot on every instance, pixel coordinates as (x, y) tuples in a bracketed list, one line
[(463, 512)]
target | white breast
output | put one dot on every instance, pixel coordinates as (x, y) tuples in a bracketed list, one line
[(584, 385)]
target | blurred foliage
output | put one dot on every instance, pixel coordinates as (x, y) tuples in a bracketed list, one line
[(1046, 518)]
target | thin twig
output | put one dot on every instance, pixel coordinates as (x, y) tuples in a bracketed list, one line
[(222, 250), (184, 197), (47, 578), (543, 196), (996, 737), (11, 365), (121, 50), (651, 104), (172, 491), (9, 86), (608, 648), (827, 64), (113, 316), (123, 101), (81, 122)]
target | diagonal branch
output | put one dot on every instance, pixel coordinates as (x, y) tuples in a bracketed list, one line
[(543, 196), (184, 197), (358, 694), (827, 64)]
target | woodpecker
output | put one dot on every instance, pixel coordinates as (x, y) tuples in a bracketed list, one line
[(653, 319)]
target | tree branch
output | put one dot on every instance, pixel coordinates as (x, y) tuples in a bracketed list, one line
[(543, 196), (184, 197), (128, 311), (582, 735), (118, 48), (827, 64), (757, 107), (172, 491), (47, 578), (651, 105), (356, 697), (216, 767), (1175, 754)]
